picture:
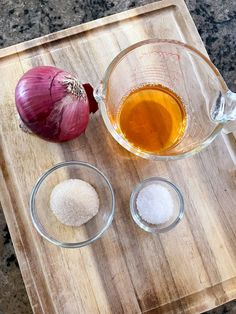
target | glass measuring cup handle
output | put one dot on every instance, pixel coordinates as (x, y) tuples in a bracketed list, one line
[(98, 93), (225, 111)]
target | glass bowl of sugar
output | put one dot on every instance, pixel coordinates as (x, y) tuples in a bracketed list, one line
[(72, 204), (156, 205)]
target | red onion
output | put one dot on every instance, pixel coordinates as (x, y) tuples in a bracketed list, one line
[(53, 104)]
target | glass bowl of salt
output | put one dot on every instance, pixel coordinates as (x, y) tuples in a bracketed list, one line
[(156, 205)]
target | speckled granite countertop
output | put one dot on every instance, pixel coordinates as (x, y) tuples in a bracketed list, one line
[(24, 20)]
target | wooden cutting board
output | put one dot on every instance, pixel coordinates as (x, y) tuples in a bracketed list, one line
[(187, 270)]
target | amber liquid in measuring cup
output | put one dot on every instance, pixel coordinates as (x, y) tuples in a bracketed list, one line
[(152, 118)]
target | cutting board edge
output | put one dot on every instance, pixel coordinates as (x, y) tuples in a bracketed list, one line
[(214, 297), (74, 30)]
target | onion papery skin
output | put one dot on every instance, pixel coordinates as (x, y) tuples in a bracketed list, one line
[(53, 104)]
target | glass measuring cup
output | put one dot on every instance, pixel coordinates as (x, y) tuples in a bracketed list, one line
[(208, 102)]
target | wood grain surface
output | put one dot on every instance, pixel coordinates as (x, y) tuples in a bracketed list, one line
[(187, 270)]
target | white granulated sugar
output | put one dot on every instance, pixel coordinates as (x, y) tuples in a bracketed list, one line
[(155, 204), (74, 202)]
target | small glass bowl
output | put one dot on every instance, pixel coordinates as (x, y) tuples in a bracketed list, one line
[(46, 222), (177, 198)]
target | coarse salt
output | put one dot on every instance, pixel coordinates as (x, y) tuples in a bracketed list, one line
[(155, 204), (74, 202)]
